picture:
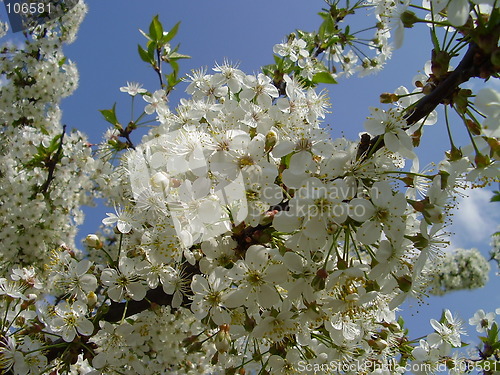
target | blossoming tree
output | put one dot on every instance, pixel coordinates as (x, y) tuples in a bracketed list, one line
[(245, 239)]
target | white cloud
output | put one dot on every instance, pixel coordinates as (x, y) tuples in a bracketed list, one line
[(475, 219), (477, 84)]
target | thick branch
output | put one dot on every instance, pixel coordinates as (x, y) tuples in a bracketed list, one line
[(52, 163), (154, 296), (473, 63), (469, 67)]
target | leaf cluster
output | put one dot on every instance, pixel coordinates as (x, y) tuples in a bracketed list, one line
[(158, 51)]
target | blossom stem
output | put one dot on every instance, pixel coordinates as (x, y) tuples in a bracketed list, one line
[(365, 29), (410, 174), (345, 256), (125, 311), (331, 248), (448, 127), (476, 149), (111, 261), (4, 320), (13, 320), (120, 247), (356, 248), (419, 7), (452, 38)]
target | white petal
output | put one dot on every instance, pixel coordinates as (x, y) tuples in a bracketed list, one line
[(68, 334), (137, 291), (85, 327), (256, 257), (458, 12)]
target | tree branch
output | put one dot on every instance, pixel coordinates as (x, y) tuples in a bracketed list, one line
[(473, 64)]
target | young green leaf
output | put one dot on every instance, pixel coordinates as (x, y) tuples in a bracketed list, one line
[(170, 35), (326, 27), (323, 77), (144, 55), (177, 56), (110, 115), (495, 197), (156, 29)]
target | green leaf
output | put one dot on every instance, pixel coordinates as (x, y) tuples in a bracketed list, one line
[(172, 79), (268, 70), (54, 144), (151, 50), (144, 54), (323, 77), (61, 62), (110, 115), (327, 27), (285, 160), (175, 66), (493, 333), (495, 197), (483, 339), (156, 29), (401, 322), (177, 56), (171, 34)]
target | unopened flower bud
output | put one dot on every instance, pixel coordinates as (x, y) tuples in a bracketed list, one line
[(388, 98), (223, 339), (271, 139), (91, 300), (160, 181), (268, 217), (93, 241)]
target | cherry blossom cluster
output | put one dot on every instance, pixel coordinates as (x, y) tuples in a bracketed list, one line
[(45, 168), (460, 269), (495, 249), (244, 238), (280, 239)]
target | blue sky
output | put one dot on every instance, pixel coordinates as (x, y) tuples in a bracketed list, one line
[(245, 32)]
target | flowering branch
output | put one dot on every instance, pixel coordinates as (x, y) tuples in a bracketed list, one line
[(51, 163)]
